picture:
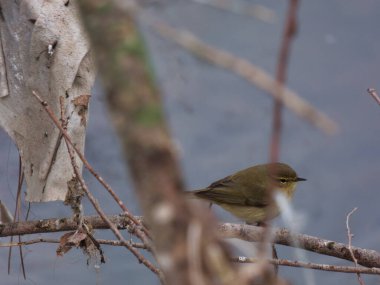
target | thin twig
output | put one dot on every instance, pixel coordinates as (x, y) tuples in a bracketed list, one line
[(120, 243), (98, 209), (350, 235), (254, 10), (139, 233), (374, 94), (71, 147), (17, 215), (18, 201), (310, 265), (29, 242), (47, 240)]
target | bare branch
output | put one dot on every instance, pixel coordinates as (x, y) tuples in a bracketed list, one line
[(47, 240), (63, 224), (101, 213), (309, 265), (29, 242), (88, 166), (374, 94), (350, 235), (365, 257)]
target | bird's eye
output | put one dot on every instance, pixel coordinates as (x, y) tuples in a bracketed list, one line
[(282, 180)]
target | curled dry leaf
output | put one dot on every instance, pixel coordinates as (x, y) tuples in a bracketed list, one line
[(84, 240), (70, 239), (81, 103)]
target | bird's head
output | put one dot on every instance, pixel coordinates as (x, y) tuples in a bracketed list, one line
[(283, 177)]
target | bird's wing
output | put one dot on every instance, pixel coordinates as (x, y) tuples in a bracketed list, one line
[(257, 199), (254, 189), (224, 182), (224, 191)]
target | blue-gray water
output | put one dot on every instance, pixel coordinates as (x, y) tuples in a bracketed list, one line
[(222, 124)]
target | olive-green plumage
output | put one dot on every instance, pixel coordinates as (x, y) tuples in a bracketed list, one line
[(246, 194)]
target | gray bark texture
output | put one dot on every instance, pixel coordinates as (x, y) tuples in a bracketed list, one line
[(44, 48)]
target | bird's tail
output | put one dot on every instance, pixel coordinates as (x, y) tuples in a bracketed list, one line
[(196, 194), (193, 194)]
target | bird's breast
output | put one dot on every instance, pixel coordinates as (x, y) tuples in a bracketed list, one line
[(252, 214)]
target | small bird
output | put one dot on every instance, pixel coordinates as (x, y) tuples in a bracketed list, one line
[(247, 193)]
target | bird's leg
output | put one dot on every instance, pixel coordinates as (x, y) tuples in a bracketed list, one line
[(275, 256), (209, 206), (274, 251)]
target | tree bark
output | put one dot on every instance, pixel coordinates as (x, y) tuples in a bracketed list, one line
[(43, 47)]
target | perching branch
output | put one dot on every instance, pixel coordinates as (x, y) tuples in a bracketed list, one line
[(365, 257), (240, 259)]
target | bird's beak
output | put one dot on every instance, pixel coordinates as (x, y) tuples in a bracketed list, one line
[(300, 179)]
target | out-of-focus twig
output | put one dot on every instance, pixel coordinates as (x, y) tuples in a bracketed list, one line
[(350, 235), (138, 115), (374, 94), (310, 265), (239, 7), (281, 74), (194, 241), (251, 73), (282, 65)]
